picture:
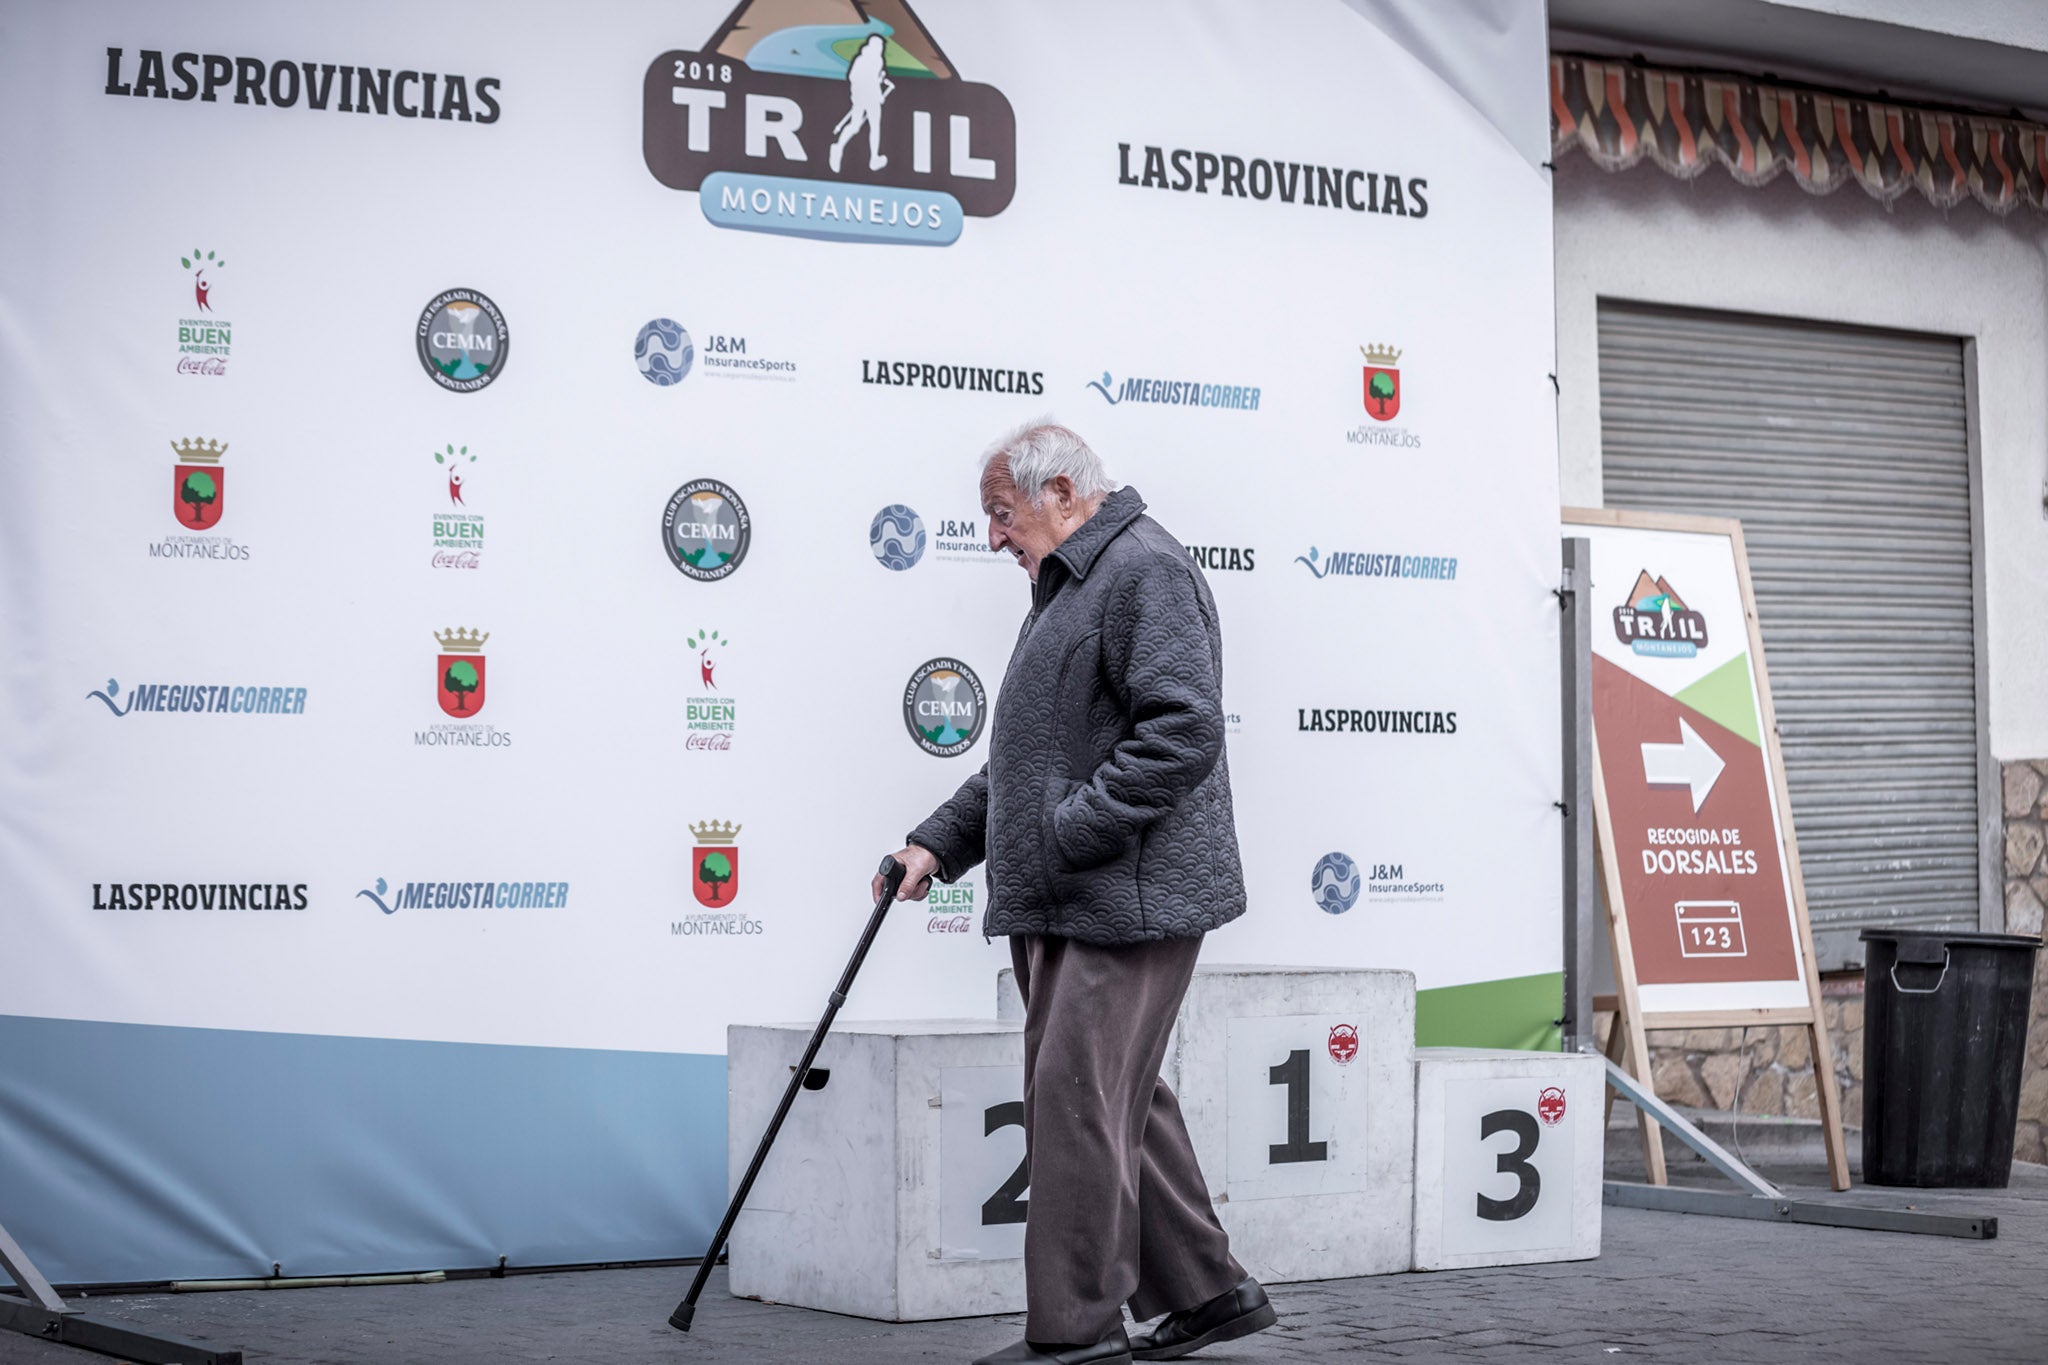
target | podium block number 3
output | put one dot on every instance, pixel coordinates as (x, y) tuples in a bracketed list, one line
[(1522, 1124), (1506, 1150), (1295, 1095)]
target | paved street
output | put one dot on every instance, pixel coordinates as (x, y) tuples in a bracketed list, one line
[(1667, 1287)]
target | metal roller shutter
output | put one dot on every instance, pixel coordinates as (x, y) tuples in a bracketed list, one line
[(1846, 455)]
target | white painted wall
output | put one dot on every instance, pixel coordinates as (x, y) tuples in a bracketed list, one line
[(1710, 243)]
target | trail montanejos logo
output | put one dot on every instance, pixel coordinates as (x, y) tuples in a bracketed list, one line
[(840, 119), (459, 672), (1655, 621), (944, 707), (715, 863)]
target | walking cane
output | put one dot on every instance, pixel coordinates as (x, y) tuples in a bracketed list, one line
[(892, 880)]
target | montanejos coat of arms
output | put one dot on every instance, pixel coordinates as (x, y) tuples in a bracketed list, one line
[(199, 486), (1382, 382), (715, 864), (459, 672)]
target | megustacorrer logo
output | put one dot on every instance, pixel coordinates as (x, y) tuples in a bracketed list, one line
[(1655, 621), (199, 486), (459, 672), (911, 149)]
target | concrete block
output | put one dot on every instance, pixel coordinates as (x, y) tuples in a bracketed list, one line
[(1297, 1088), (897, 1189), (1508, 1157)]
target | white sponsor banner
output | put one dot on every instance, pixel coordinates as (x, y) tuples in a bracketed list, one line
[(357, 357)]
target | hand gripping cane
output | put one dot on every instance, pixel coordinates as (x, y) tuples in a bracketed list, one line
[(892, 881)]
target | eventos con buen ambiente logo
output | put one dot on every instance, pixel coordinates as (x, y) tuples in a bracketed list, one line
[(849, 132)]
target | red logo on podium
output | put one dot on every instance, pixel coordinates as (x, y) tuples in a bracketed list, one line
[(1550, 1106), (1343, 1043)]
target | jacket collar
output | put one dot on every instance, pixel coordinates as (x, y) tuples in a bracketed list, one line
[(1079, 551)]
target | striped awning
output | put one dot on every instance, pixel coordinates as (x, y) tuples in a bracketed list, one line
[(1619, 112)]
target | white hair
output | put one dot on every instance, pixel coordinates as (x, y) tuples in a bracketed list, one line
[(1041, 450)]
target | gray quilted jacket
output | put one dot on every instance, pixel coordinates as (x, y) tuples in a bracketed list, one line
[(1104, 807)]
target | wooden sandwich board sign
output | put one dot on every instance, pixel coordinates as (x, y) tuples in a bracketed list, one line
[(1698, 864)]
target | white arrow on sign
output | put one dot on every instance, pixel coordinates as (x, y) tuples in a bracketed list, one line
[(1689, 763)]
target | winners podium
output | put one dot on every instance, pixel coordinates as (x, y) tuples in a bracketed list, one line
[(1332, 1145)]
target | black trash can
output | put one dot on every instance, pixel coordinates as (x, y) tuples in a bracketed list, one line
[(1944, 1038)]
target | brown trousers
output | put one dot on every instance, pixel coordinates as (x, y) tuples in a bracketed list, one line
[(1119, 1211)]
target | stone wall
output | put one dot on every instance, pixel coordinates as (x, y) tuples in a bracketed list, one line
[(1771, 1072), (2024, 787), (1765, 1071)]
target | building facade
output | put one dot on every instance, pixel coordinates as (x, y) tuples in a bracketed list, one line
[(1802, 279)]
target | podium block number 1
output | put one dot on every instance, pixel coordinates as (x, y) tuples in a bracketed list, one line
[(1295, 1094)]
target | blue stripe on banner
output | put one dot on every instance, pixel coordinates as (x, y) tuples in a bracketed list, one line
[(131, 1152)]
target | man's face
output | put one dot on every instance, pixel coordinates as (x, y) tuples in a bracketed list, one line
[(1028, 533)]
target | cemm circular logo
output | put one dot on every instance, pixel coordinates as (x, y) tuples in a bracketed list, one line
[(462, 340), (944, 707), (705, 530)]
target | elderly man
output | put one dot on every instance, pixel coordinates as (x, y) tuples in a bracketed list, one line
[(1104, 814)]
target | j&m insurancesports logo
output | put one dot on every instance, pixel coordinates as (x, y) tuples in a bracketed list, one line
[(462, 340), (1656, 621), (202, 698), (705, 530), (1335, 883), (838, 120), (205, 338), (212, 78), (1341, 720), (1353, 564), (466, 895), (199, 499), (1177, 393), (459, 687), (944, 707), (1284, 182)]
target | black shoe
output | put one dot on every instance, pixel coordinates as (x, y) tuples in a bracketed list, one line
[(1236, 1313), (1114, 1349)]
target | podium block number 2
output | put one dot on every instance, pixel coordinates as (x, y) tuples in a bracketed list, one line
[(1295, 1095), (984, 1183), (1506, 1150), (1005, 1206)]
